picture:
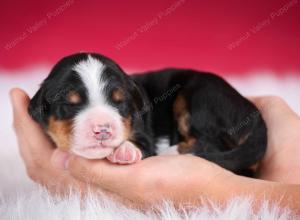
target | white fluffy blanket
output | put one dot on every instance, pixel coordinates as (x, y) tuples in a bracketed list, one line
[(22, 199)]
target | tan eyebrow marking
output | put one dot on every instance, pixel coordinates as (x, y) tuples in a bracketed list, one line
[(118, 95), (73, 97)]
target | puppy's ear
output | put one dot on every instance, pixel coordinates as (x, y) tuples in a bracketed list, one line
[(138, 94), (39, 107)]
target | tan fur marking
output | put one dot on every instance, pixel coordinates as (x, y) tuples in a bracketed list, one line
[(60, 131), (182, 116), (243, 139), (180, 106), (127, 128), (254, 167), (187, 146), (73, 97), (232, 144), (183, 125), (118, 95)]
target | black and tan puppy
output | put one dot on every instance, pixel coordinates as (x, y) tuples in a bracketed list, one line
[(88, 105)]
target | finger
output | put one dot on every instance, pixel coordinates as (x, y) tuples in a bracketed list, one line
[(23, 123), (59, 159), (30, 135), (109, 176), (274, 104), (18, 100), (275, 111), (282, 122), (22, 120)]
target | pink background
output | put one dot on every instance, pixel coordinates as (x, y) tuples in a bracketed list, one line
[(195, 34)]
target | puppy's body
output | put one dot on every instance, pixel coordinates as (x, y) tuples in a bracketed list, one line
[(89, 105), (205, 116)]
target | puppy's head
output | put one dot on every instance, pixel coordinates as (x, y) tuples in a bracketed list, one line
[(87, 105)]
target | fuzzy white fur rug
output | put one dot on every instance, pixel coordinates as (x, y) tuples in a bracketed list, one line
[(22, 199)]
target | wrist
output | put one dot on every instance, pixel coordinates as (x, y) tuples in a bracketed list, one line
[(285, 195)]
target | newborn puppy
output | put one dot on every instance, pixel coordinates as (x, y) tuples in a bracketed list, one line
[(88, 105)]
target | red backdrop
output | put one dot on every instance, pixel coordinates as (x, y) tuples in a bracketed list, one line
[(222, 36)]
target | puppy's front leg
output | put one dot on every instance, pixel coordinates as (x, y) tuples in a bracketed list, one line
[(126, 153)]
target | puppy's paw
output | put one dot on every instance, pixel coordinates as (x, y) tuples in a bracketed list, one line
[(126, 153)]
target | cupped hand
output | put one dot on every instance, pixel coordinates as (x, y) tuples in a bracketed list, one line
[(36, 150), (185, 178), (182, 178), (282, 160), (177, 178)]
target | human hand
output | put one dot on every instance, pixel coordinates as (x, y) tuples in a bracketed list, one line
[(36, 150), (282, 160), (182, 179), (146, 181), (153, 178)]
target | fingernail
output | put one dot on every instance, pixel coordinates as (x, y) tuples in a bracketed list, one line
[(60, 159)]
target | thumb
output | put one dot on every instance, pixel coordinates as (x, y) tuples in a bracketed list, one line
[(23, 124), (273, 105), (30, 136), (59, 159), (102, 173), (22, 121), (20, 101)]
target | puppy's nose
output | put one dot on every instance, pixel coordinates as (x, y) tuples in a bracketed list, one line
[(101, 128), (102, 131)]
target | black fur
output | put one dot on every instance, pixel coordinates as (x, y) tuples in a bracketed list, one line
[(220, 116)]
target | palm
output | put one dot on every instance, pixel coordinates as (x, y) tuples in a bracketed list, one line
[(282, 159)]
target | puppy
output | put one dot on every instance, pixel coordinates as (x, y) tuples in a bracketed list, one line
[(88, 105)]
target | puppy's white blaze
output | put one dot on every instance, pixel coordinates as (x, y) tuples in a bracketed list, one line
[(90, 72)]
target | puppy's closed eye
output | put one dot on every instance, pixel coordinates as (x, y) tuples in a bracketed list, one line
[(118, 95), (73, 97)]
